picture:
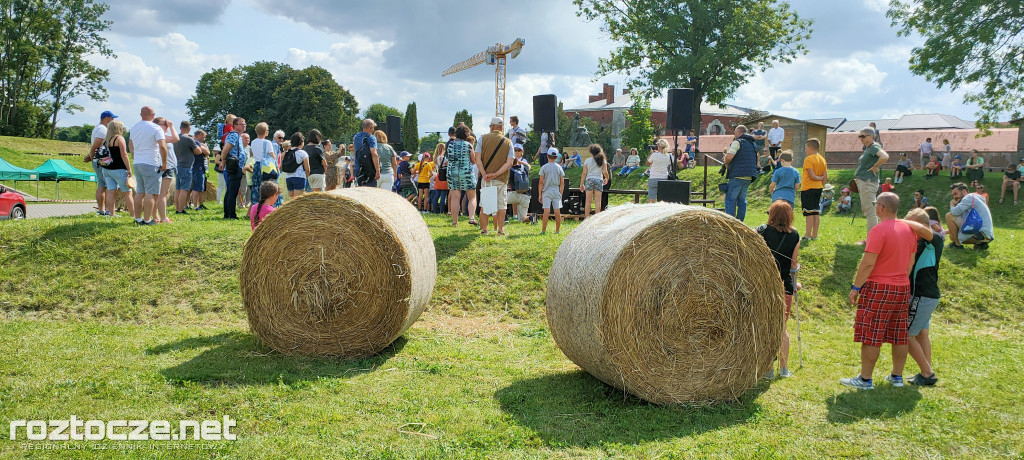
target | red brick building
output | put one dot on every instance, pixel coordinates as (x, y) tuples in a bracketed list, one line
[(607, 106)]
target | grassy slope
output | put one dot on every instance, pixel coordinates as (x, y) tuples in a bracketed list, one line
[(92, 332), (479, 369)]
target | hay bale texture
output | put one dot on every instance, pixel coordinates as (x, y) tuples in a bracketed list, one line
[(671, 303), (342, 273)]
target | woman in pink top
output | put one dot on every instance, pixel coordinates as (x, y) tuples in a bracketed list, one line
[(269, 191)]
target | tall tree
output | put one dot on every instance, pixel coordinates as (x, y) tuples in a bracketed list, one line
[(253, 99), (379, 113), (28, 31), (312, 99), (977, 44), (410, 129), (701, 44), (212, 99), (81, 23), (463, 116), (639, 131)]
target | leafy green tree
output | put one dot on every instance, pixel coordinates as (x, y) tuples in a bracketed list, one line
[(639, 131), (975, 44), (253, 98), (81, 26), (410, 129), (312, 99), (212, 99), (43, 64), (75, 133), (379, 113), (699, 44), (287, 99), (463, 116), (428, 142)]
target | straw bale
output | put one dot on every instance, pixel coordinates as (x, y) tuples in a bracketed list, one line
[(342, 273), (671, 303)]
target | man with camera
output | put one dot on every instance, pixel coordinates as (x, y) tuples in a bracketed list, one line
[(741, 164)]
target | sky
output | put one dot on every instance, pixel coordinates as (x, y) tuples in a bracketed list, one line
[(857, 66)]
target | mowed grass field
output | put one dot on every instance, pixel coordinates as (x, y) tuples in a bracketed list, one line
[(106, 320)]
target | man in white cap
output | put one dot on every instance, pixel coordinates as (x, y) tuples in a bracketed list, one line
[(99, 134), (495, 156)]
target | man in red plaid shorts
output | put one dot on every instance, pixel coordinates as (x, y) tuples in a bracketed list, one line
[(881, 292)]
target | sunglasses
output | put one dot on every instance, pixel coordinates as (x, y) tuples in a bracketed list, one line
[(862, 136)]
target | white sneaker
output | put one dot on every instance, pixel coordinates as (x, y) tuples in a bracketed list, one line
[(858, 383), (785, 373)]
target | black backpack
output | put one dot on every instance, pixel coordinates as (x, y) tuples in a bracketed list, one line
[(288, 163), (365, 161)]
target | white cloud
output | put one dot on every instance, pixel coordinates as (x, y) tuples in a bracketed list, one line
[(880, 6), (186, 53), (132, 71)]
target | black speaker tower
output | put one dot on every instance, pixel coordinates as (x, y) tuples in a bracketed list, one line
[(680, 110), (393, 129), (545, 118)]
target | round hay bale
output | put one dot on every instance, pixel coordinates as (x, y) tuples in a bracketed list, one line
[(210, 192), (342, 273), (671, 303)]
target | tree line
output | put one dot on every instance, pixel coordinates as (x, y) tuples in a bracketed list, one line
[(43, 63)]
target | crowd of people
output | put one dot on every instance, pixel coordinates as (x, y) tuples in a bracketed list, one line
[(895, 288)]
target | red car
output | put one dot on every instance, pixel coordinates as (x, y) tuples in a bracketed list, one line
[(12, 204)]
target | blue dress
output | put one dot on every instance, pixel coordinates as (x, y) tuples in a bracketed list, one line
[(460, 168)]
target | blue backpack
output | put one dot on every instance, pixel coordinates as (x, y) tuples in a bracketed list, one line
[(520, 179)]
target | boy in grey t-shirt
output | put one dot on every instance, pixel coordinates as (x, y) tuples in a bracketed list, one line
[(551, 186)]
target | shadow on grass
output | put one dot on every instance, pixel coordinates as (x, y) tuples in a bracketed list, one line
[(882, 403), (79, 228), (577, 409), (238, 358), (450, 245), (844, 267)]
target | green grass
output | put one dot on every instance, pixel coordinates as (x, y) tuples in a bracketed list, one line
[(107, 320)]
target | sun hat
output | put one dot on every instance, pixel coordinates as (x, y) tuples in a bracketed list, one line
[(845, 190), (404, 154), (829, 187)]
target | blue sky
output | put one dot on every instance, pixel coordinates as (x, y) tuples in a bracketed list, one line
[(856, 68)]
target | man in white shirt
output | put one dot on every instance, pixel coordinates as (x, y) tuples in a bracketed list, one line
[(516, 133), (99, 133), (775, 138), (149, 149), (925, 150)]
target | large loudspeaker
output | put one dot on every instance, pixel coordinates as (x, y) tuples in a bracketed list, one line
[(674, 191), (680, 110), (394, 129), (544, 114)]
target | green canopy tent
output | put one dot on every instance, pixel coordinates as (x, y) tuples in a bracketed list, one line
[(14, 173), (58, 170)]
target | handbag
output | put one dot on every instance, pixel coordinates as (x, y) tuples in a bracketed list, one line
[(231, 164), (853, 186), (442, 170)]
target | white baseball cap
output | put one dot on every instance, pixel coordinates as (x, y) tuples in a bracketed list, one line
[(552, 152), (497, 121)]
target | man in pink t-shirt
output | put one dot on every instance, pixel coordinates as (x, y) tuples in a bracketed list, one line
[(881, 292)]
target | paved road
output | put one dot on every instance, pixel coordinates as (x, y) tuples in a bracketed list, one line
[(38, 211)]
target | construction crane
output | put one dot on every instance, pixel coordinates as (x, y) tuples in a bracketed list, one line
[(495, 56)]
